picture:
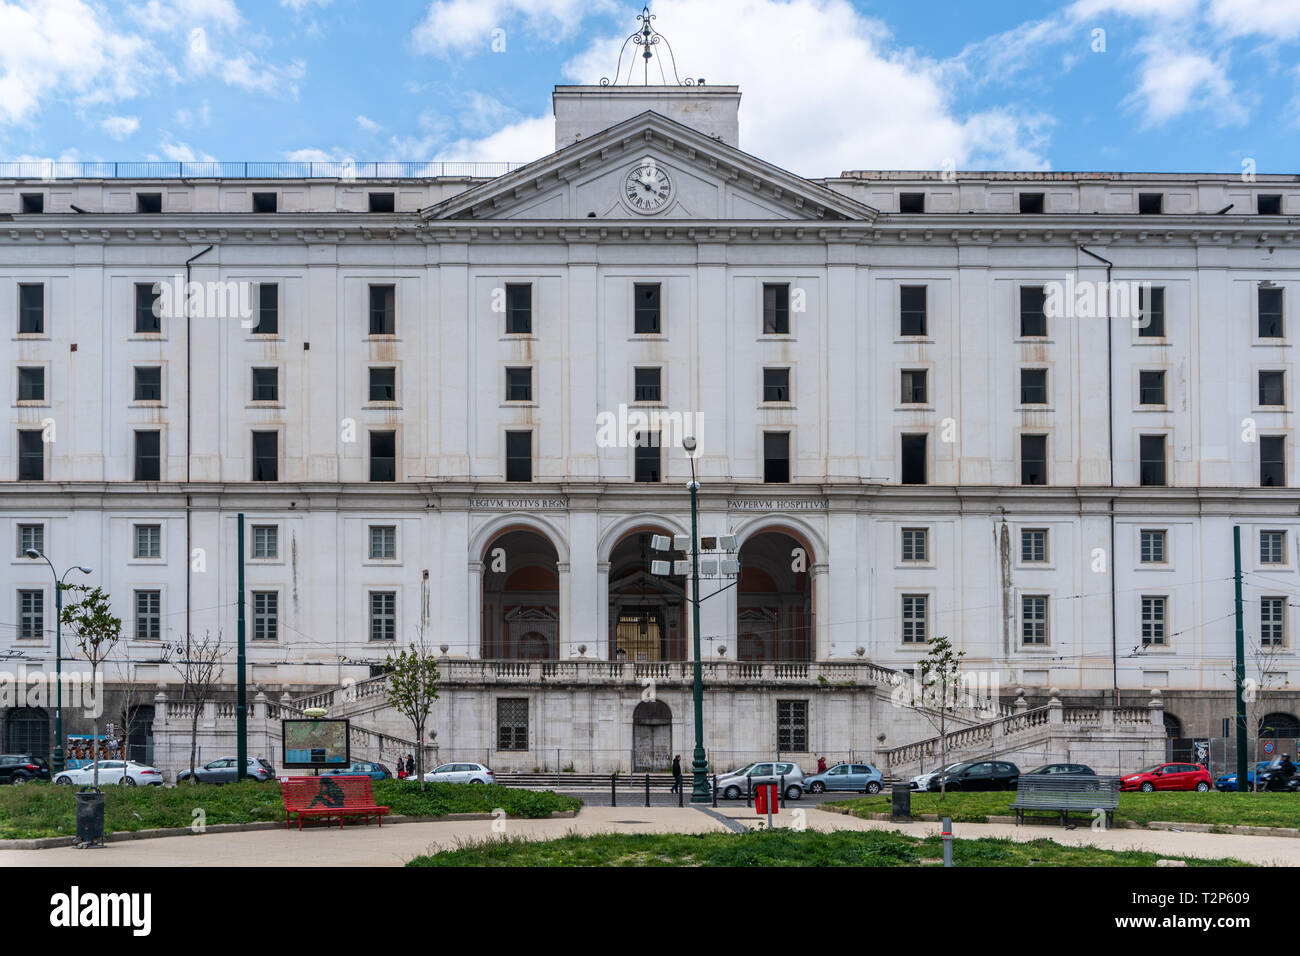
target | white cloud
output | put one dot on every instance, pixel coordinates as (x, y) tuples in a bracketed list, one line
[(367, 124), (120, 127), (297, 6), (517, 143), (465, 26), (182, 152), (1142, 9), (1172, 83), (1275, 18), (311, 155)]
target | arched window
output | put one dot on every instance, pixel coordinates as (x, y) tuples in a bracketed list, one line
[(1173, 726), (1282, 726), (27, 731), (521, 598)]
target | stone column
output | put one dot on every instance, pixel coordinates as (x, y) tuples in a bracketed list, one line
[(821, 612)]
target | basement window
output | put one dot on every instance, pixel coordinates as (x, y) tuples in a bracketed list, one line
[(382, 202), (1031, 202), (911, 202), (1269, 205), (35, 202), (148, 202), (1151, 204)]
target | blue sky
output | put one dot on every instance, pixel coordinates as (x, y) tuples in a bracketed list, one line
[(828, 85)]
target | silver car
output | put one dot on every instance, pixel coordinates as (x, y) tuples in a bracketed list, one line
[(459, 773), (734, 785), (925, 781)]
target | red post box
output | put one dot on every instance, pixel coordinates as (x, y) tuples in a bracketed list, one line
[(765, 796)]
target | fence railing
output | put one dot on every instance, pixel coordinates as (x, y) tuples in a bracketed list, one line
[(345, 170)]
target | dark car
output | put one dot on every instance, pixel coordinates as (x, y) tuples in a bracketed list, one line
[(22, 768), (223, 770), (1070, 769), (983, 775)]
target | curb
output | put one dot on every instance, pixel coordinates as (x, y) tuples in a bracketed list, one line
[(1216, 828)]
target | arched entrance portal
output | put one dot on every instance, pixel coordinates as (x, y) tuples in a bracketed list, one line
[(774, 617), (27, 731), (646, 613), (652, 737), (521, 598)]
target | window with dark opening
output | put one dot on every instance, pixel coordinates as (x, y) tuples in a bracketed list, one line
[(911, 202), (646, 385), (1031, 202), (776, 308), (1033, 316), (1272, 387), (1151, 388), (519, 309), (383, 384), (913, 386), (148, 383), (1272, 461), (912, 310), (266, 384), (265, 202), (512, 723), (31, 309), (266, 457), (1033, 386), (519, 456), (519, 385), (1033, 459), (148, 311), (31, 384), (913, 459), (148, 460), (383, 456), (1151, 315), (268, 309), (382, 202), (35, 202), (1151, 460), (1269, 205), (383, 310), (646, 318), (1151, 204), (647, 456), (31, 456), (148, 202), (1270, 313), (776, 385), (776, 457)]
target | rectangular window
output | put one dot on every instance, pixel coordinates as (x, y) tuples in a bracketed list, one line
[(31, 537), (383, 384), (1151, 460), (268, 309), (1151, 315), (31, 309), (519, 456), (383, 615), (383, 310), (148, 615), (31, 384), (911, 202), (1151, 204), (150, 203), (148, 456), (776, 385), (382, 202), (792, 726), (913, 386), (1272, 547), (645, 297), (1033, 386), (266, 456), (35, 203), (916, 609), (1152, 549), (912, 312), (1272, 622), (266, 541), (776, 308), (776, 457), (148, 541), (31, 615), (646, 385), (1033, 619), (1269, 205), (266, 615), (266, 384), (31, 456), (1033, 318), (148, 383), (1033, 545), (265, 202), (1031, 202), (1272, 388), (383, 542), (512, 723), (1153, 621), (1151, 388), (913, 460), (1270, 313), (916, 543), (519, 385), (1033, 459), (647, 456), (519, 309), (383, 456), (148, 310), (1272, 461)]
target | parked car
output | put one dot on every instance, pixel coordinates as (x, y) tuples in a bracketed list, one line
[(981, 775), (924, 781), (22, 768), (733, 785), (859, 777), (459, 773), (223, 770), (124, 772), (1070, 769), (1168, 776), (1228, 782), (361, 768)]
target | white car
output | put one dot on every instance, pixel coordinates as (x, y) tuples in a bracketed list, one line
[(125, 772), (459, 773), (923, 781)]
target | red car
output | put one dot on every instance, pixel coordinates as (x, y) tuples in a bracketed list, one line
[(1169, 776)]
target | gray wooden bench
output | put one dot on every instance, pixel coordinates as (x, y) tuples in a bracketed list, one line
[(1063, 794)]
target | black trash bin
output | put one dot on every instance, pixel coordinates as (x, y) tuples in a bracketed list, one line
[(90, 817), (900, 810)]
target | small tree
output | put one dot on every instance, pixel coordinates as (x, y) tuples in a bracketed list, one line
[(199, 666), (412, 688), (96, 632), (941, 690)]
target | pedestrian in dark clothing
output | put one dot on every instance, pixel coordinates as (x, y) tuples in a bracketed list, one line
[(410, 765), (821, 764), (677, 774)]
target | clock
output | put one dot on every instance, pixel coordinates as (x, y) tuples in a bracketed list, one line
[(647, 187)]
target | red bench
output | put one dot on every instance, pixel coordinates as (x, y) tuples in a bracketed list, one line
[(329, 797)]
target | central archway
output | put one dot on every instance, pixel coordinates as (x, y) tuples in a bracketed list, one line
[(521, 598), (652, 737), (774, 603), (647, 613)]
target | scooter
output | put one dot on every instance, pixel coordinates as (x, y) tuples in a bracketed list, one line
[(1274, 779)]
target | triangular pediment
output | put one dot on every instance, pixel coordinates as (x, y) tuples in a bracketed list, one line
[(650, 167)]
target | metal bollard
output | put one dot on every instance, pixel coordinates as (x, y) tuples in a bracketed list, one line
[(613, 789), (947, 841), (781, 796), (749, 790), (647, 790), (715, 791), (681, 795)]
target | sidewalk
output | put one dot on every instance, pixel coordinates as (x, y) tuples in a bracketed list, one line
[(394, 844)]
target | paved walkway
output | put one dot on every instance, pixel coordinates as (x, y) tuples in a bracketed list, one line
[(394, 844)]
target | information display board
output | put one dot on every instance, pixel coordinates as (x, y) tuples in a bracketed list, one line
[(315, 744)]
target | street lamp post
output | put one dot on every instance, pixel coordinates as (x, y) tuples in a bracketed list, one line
[(58, 651), (700, 766)]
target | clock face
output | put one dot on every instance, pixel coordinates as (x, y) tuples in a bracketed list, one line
[(647, 187)]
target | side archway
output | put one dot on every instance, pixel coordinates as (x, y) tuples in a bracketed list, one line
[(774, 600), (521, 597)]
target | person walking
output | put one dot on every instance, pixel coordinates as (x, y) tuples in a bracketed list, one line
[(410, 765), (677, 774), (821, 764)]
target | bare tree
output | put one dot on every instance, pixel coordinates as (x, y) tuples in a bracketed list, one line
[(134, 697), (199, 665), (96, 631), (940, 692), (1263, 659), (412, 688)]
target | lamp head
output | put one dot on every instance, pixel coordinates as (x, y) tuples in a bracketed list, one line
[(84, 570), (689, 443), (32, 553)]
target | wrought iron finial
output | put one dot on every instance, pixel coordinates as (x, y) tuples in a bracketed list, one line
[(647, 38)]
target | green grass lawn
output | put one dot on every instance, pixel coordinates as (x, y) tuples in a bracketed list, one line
[(782, 848), (46, 810), (1247, 809)]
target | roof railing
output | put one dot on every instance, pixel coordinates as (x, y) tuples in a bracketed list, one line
[(344, 170)]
